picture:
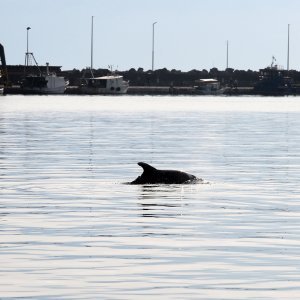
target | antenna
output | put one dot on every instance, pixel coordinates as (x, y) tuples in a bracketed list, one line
[(110, 67)]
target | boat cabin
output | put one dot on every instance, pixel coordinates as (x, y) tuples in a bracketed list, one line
[(111, 83), (208, 86)]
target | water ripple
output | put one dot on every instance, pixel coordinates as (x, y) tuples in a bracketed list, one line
[(71, 229)]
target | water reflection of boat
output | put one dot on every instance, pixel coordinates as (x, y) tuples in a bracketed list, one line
[(274, 80), (208, 86)]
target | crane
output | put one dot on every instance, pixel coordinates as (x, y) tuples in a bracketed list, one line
[(4, 67)]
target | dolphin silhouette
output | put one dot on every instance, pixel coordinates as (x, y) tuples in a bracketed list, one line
[(152, 175)]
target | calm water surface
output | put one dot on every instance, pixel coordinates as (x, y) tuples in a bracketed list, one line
[(71, 229)]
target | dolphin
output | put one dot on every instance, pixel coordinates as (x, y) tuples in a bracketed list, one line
[(152, 175)]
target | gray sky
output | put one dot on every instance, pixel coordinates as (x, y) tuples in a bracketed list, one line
[(189, 34)]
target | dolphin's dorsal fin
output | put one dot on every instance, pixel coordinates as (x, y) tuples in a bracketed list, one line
[(147, 168)]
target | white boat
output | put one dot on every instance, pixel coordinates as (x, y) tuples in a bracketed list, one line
[(208, 87), (43, 84), (48, 83), (35, 82), (111, 84)]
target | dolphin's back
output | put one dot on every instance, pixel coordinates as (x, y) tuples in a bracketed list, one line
[(172, 176), (152, 175)]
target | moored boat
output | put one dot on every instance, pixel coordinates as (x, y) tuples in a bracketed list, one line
[(48, 83), (208, 86), (274, 81), (35, 82), (111, 84)]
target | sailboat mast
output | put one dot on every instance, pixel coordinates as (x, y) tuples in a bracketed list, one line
[(288, 50), (92, 44), (227, 54)]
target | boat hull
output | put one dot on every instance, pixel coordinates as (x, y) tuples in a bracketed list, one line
[(44, 85), (43, 91), (102, 91)]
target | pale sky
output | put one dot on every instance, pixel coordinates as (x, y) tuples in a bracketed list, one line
[(189, 34)]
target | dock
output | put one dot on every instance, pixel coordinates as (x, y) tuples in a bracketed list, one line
[(144, 90), (159, 90)]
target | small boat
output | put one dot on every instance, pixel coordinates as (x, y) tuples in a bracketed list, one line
[(208, 87), (48, 83), (111, 84), (35, 82), (274, 81)]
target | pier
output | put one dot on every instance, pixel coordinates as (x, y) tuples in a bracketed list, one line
[(163, 90)]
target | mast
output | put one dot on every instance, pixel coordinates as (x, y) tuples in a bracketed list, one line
[(153, 24), (227, 54), (92, 45), (288, 49)]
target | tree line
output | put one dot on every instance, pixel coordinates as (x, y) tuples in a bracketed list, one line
[(165, 77)]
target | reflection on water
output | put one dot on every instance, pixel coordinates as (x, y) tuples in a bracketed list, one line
[(70, 228), (160, 201)]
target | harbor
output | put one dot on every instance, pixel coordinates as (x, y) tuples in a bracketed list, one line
[(150, 150), (272, 80), (33, 78)]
